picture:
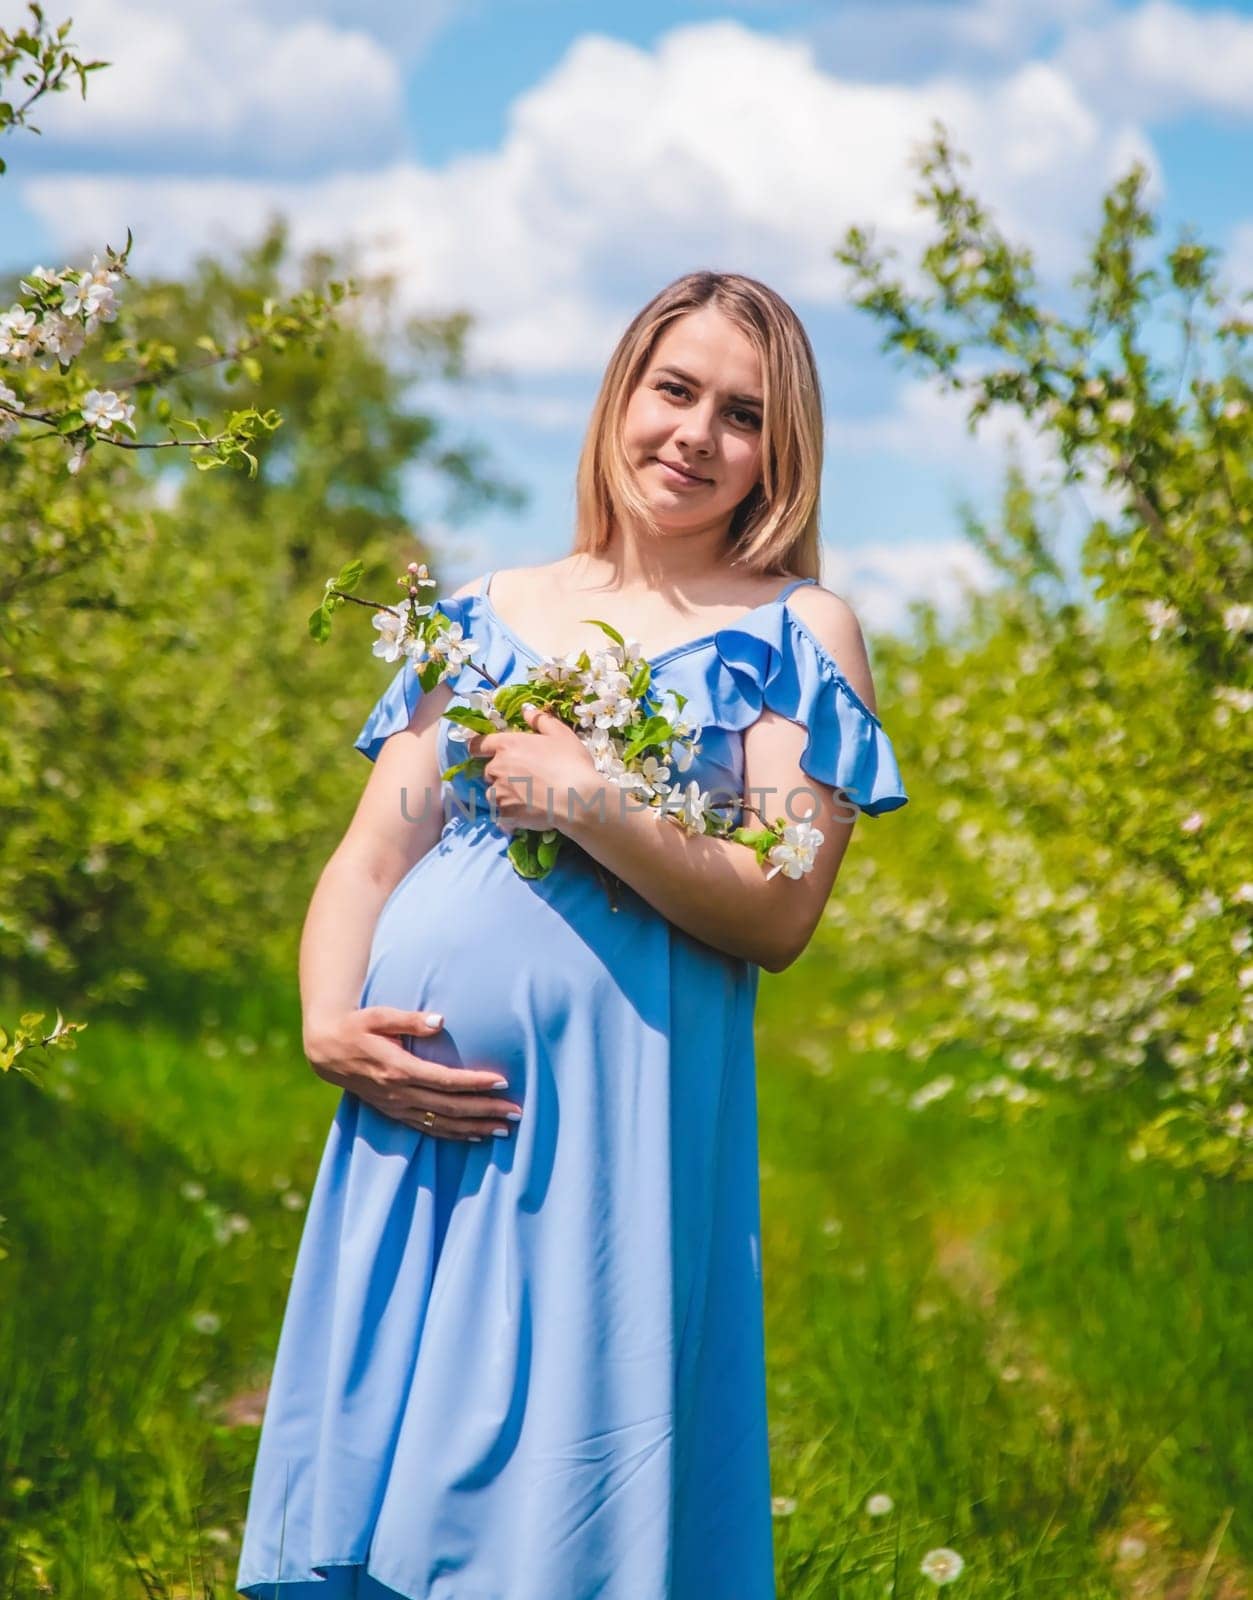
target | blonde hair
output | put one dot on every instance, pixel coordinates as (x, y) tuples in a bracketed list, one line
[(775, 527)]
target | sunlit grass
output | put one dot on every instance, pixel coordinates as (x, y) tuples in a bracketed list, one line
[(1005, 1341)]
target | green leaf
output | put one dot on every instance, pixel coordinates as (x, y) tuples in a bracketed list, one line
[(522, 853), (611, 631)]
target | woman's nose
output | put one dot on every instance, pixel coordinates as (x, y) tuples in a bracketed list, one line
[(695, 429)]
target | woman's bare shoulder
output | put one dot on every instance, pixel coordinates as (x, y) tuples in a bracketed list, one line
[(833, 622)]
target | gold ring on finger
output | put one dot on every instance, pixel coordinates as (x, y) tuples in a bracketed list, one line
[(428, 1119)]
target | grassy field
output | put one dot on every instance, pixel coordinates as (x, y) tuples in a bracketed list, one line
[(1038, 1349)]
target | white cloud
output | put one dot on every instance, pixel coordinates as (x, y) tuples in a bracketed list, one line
[(928, 424), (880, 581), (545, 413), (624, 168), (407, 27), (908, 40), (927, 429), (222, 87), (1236, 267), (1161, 59), (1150, 61)]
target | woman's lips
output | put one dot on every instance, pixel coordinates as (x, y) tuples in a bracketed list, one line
[(679, 478)]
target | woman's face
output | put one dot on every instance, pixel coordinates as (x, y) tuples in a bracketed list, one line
[(698, 407)]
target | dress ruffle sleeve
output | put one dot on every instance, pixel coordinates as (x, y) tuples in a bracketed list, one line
[(776, 662), (394, 708)]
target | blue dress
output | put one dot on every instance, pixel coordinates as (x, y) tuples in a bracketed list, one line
[(534, 1368)]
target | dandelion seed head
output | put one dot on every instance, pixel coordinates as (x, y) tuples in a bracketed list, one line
[(941, 1565)]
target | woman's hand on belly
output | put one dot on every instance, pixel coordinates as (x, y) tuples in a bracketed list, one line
[(358, 1051)]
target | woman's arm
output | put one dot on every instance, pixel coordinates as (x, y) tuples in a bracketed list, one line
[(714, 889), (397, 820)]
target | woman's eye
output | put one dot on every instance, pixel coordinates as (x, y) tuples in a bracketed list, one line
[(750, 418)]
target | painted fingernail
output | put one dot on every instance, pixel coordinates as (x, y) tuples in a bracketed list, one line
[(500, 1133), (514, 1116), (475, 1138), (435, 1019), (501, 1083)]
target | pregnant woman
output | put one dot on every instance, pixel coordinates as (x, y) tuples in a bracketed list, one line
[(522, 1356)]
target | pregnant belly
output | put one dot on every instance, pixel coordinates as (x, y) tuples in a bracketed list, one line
[(514, 965)]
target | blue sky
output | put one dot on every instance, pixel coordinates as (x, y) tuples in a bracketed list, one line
[(548, 166)]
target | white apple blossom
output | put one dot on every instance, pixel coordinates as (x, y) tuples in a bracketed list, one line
[(609, 763), (689, 807), (599, 742), (454, 646), (38, 275), (655, 773), (1160, 616), (392, 625), (612, 706), (74, 300), (560, 669), (935, 1090), (17, 332), (101, 408), (61, 337), (477, 700), (91, 294), (1121, 412), (625, 655), (650, 780), (9, 402), (605, 679), (1238, 618), (795, 852), (682, 754)]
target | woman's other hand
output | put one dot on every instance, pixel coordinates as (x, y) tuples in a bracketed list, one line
[(360, 1051)]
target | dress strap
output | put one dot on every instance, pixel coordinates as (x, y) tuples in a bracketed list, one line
[(487, 578), (783, 593)]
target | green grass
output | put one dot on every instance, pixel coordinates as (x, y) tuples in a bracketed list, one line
[(1034, 1345)]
